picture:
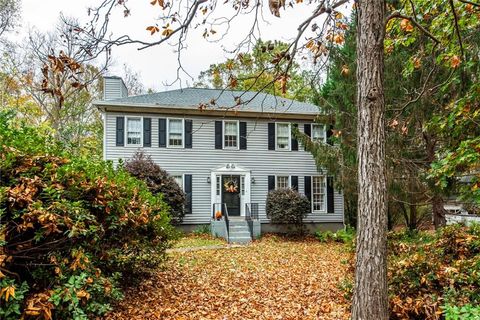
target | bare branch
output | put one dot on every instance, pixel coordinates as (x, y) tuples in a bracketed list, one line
[(457, 29)]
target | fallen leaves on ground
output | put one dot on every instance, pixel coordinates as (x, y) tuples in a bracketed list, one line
[(271, 279), (202, 240)]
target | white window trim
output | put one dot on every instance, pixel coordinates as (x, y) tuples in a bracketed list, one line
[(324, 131), (281, 175), (168, 133), (238, 135), (289, 136), (183, 179), (324, 194), (126, 132)]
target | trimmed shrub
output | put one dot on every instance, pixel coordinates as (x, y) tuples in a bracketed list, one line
[(71, 228), (287, 206), (158, 181)]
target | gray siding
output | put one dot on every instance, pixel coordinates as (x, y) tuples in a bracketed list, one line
[(203, 157), (114, 88)]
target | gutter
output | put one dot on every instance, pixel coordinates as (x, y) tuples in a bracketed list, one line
[(111, 106)]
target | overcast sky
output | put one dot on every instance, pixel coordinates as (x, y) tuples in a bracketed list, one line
[(158, 65)]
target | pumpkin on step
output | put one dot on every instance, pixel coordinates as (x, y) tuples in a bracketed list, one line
[(218, 215)]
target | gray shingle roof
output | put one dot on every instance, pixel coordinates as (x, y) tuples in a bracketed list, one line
[(192, 98)]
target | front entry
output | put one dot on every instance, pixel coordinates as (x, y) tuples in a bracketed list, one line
[(231, 193)]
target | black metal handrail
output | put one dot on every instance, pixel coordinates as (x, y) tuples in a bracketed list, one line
[(251, 211)]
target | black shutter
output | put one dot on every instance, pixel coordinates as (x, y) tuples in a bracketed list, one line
[(243, 136), (329, 134), (120, 140), (308, 188), (330, 204), (294, 182), (271, 183), (218, 134), (188, 193), (271, 136), (307, 129), (147, 132), (162, 133), (294, 140), (188, 133)]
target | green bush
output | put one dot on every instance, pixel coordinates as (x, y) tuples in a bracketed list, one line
[(158, 181), (435, 271), (202, 230), (346, 235), (71, 228), (460, 313), (287, 206)]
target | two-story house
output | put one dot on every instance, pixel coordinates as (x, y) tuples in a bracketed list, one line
[(227, 149)]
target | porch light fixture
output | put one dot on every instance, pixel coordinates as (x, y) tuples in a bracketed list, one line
[(252, 180), (208, 180)]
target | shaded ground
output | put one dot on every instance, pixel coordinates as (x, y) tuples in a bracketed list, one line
[(269, 279)]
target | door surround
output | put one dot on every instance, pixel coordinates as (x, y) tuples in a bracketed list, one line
[(245, 184)]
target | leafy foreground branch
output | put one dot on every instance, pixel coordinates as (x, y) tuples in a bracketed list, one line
[(71, 228)]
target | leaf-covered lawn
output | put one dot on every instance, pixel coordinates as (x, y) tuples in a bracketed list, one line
[(198, 241), (270, 279)]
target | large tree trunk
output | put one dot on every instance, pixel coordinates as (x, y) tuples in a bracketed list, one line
[(370, 299)]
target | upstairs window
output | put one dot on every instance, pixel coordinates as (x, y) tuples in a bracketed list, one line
[(175, 133), (283, 136), (319, 193), (282, 182), (319, 133), (134, 131), (230, 134)]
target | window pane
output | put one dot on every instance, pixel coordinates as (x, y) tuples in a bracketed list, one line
[(179, 180), (283, 136), (134, 130), (175, 132), (318, 132), (231, 128), (319, 193), (230, 134), (242, 185), (218, 185), (282, 182)]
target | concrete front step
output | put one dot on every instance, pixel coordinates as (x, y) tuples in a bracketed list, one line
[(239, 239), (238, 223), (238, 227), (239, 234)]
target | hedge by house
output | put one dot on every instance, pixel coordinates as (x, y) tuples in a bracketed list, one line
[(287, 206), (71, 228), (159, 182)]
